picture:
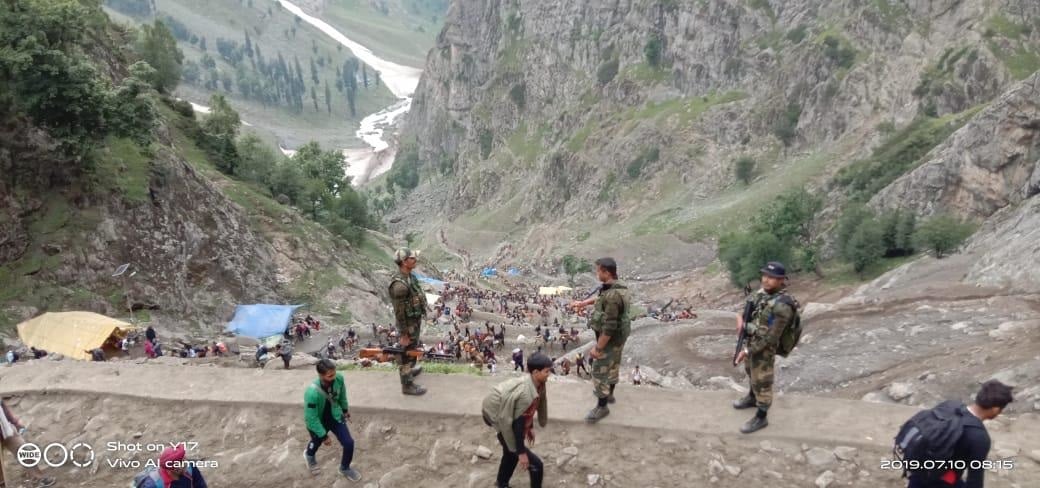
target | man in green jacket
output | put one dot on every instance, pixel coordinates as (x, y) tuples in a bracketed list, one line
[(610, 320), (325, 411), (510, 409)]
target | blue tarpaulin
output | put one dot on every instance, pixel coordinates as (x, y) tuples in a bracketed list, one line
[(261, 321), (489, 272), (426, 279), (514, 272)]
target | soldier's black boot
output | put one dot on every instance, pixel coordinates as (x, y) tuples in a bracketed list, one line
[(747, 402), (597, 414), (610, 399), (413, 389), (758, 422)]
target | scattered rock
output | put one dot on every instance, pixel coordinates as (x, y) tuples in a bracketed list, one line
[(138, 435), (715, 467), (819, 456), (714, 479), (483, 452), (825, 479), (725, 383), (593, 479), (767, 447), (51, 249), (397, 476), (900, 391), (1035, 455), (1006, 453), (775, 474), (733, 470), (570, 450), (845, 453)]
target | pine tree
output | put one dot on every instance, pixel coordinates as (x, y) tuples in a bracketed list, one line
[(328, 97)]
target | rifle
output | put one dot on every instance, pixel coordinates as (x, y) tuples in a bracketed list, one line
[(749, 308)]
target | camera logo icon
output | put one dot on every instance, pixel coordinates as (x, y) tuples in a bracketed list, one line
[(29, 455)]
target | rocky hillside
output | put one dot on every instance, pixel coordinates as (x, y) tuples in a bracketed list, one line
[(197, 241), (536, 113)]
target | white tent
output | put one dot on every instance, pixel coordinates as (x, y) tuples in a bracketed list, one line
[(553, 290)]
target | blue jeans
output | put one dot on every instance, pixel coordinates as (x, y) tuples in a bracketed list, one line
[(342, 435)]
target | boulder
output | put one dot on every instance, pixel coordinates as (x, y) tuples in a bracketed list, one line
[(845, 453), (900, 391), (819, 456), (825, 479)]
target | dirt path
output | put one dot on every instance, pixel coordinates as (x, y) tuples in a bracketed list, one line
[(249, 421)]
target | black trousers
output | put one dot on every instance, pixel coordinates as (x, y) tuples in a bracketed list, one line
[(509, 462)]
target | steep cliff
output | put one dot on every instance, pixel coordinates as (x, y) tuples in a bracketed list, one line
[(97, 170), (532, 114)]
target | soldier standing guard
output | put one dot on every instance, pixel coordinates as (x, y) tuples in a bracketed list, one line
[(610, 320), (410, 307), (773, 310)]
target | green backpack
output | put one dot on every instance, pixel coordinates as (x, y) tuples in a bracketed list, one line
[(793, 332)]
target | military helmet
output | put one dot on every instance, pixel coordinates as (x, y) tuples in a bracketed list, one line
[(403, 254)]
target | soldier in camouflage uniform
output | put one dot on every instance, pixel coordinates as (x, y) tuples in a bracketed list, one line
[(612, 325), (771, 315), (409, 310)]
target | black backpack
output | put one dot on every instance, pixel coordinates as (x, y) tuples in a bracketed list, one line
[(930, 435)]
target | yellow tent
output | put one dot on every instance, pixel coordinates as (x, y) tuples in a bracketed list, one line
[(71, 334)]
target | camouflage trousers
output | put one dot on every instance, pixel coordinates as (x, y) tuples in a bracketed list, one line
[(605, 370), (406, 362), (759, 368)]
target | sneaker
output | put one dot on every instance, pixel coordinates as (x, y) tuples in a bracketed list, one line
[(597, 414), (416, 371), (756, 423), (413, 389), (747, 402), (312, 464), (45, 482), (351, 474)]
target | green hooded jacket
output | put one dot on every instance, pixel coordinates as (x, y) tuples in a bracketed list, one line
[(314, 404)]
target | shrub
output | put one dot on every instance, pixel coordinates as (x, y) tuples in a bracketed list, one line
[(865, 246), (942, 234), (744, 169), (744, 254), (607, 71), (652, 51), (787, 127)]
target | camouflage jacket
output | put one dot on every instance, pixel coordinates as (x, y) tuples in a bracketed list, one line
[(611, 314), (768, 321), (408, 299)]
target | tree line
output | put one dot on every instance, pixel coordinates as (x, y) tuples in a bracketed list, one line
[(788, 230)]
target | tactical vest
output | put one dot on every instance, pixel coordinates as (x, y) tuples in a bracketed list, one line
[(415, 303), (763, 317)]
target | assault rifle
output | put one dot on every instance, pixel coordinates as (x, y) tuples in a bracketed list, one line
[(749, 308)]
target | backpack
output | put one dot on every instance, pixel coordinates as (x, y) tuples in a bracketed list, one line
[(793, 332), (929, 435)]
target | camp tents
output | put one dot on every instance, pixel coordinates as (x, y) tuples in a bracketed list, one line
[(260, 321), (432, 299), (554, 290), (73, 334)]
